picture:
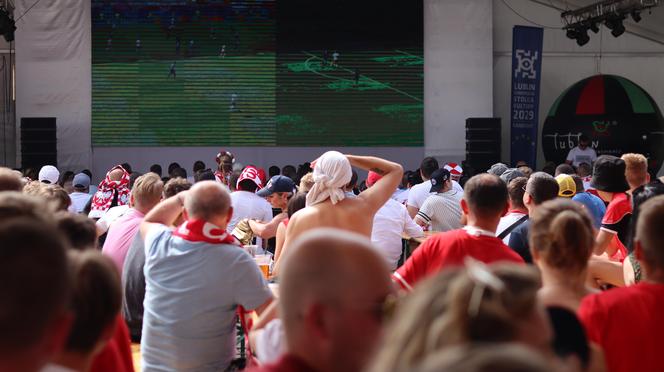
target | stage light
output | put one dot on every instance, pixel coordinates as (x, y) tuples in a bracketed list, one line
[(7, 25), (616, 26), (636, 16), (582, 37), (594, 27), (571, 33)]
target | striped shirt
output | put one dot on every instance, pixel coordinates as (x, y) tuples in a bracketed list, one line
[(442, 211)]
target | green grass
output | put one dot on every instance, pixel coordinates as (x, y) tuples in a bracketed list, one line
[(283, 100)]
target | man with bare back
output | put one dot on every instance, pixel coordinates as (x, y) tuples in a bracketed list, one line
[(327, 205)]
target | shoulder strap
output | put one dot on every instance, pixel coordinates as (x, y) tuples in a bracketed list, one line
[(511, 228)]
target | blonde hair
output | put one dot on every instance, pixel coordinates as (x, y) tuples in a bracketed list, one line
[(33, 188), (484, 358), (306, 182), (56, 197), (636, 169), (147, 190), (561, 232), (439, 314), (10, 180)]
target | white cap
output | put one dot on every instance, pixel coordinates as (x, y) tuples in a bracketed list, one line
[(49, 174)]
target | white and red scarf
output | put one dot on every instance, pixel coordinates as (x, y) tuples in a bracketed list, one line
[(223, 177), (103, 198), (202, 231)]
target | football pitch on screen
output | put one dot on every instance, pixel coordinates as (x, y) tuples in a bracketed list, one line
[(222, 90)]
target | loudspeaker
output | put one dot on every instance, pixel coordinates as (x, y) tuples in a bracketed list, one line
[(483, 139), (38, 142)]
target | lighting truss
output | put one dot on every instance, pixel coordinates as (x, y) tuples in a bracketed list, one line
[(604, 10)]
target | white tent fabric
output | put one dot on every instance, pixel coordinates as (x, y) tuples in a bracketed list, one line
[(53, 74)]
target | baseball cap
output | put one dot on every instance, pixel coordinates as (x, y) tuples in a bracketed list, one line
[(250, 173), (277, 184), (609, 174), (372, 178), (511, 174), (497, 169), (49, 174), (454, 169), (566, 186), (81, 181), (438, 179)]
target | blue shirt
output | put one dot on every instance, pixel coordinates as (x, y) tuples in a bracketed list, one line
[(192, 293), (594, 205)]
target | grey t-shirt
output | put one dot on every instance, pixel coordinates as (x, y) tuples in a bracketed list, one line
[(192, 293), (133, 282)]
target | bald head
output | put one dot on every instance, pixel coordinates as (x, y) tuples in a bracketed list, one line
[(329, 265), (116, 174), (333, 289), (207, 200)]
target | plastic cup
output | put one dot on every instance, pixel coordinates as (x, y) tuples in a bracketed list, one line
[(263, 262)]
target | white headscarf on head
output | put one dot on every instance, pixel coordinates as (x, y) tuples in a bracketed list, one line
[(331, 173)]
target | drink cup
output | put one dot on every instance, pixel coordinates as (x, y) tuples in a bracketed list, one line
[(263, 262)]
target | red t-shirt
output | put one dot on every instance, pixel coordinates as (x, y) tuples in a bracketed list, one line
[(616, 221), (449, 249), (116, 356), (628, 324), (287, 363)]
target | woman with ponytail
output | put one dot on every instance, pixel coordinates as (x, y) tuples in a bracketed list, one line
[(561, 242)]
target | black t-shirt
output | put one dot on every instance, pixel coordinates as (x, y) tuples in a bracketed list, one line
[(519, 241)]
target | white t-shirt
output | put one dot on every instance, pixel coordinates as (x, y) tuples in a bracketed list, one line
[(507, 221), (271, 342), (79, 200), (578, 156), (401, 195), (420, 192), (105, 222), (389, 223), (249, 205), (456, 186)]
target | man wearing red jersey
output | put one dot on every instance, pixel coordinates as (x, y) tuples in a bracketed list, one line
[(626, 322), (483, 204)]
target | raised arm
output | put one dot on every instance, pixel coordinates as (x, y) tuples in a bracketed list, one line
[(165, 213), (382, 190), (267, 230)]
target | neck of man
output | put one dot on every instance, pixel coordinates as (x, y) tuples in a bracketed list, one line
[(652, 275), (310, 355), (518, 208), (143, 208), (488, 224), (446, 187), (605, 196), (74, 360)]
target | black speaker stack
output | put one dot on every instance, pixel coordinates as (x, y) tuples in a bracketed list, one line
[(482, 143), (38, 142)]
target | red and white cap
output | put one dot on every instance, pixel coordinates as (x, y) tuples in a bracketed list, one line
[(454, 169), (250, 173)]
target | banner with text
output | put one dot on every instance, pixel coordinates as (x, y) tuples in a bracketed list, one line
[(526, 70)]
